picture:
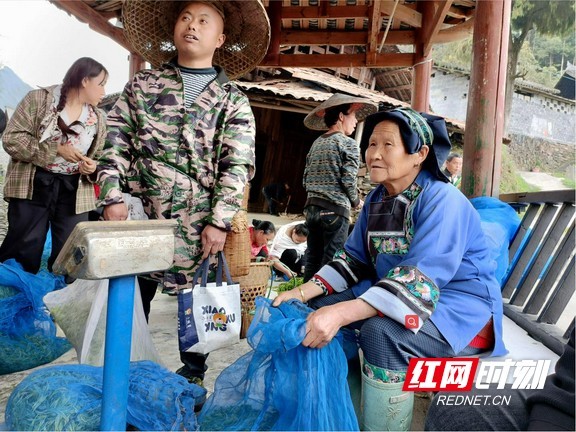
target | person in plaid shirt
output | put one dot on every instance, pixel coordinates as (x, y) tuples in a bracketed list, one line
[(53, 139)]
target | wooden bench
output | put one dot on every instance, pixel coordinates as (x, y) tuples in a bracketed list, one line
[(539, 286), (539, 283)]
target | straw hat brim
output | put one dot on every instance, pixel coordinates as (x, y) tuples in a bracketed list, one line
[(315, 120), (149, 24)]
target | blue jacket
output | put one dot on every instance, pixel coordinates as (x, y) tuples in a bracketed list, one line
[(423, 252)]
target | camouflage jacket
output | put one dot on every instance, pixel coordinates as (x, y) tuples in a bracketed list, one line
[(23, 141), (185, 163)]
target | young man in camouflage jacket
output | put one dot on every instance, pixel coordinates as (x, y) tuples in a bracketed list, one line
[(181, 138)]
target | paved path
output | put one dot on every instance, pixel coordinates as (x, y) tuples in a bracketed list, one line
[(544, 181)]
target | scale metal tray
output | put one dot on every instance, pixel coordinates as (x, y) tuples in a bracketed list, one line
[(107, 249)]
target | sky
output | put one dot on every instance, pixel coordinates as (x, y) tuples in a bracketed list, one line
[(39, 42)]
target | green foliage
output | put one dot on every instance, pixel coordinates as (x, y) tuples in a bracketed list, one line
[(529, 68), (456, 54), (551, 42), (553, 50), (287, 286), (551, 17), (569, 183)]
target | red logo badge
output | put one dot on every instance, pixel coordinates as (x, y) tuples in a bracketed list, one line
[(411, 321), (440, 374)]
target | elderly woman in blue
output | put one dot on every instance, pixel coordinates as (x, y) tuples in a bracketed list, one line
[(415, 276)]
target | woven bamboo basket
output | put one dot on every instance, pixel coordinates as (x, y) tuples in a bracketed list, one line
[(252, 285), (237, 247)]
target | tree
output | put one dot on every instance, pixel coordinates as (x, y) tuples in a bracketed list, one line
[(550, 17)]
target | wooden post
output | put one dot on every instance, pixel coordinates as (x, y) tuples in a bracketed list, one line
[(485, 114), (421, 83), (422, 63), (275, 14), (136, 63)]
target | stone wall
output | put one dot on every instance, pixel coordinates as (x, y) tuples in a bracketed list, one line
[(536, 114), (529, 153)]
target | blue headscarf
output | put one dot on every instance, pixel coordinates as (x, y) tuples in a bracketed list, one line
[(416, 130)]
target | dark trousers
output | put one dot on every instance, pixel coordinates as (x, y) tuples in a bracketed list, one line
[(53, 205), (148, 289), (390, 345), (194, 364), (291, 260), (272, 204), (327, 233)]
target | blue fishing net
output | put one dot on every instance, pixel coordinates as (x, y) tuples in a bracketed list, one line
[(499, 223), (282, 385), (27, 332), (69, 397)]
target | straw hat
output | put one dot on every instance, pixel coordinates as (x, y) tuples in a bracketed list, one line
[(315, 120), (149, 28)]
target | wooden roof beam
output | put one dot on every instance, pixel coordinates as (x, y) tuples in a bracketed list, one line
[(433, 28), (95, 21), (331, 37), (373, 31), (340, 60), (402, 13), (398, 88), (275, 14)]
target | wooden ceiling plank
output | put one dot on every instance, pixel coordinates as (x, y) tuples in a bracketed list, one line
[(95, 21), (457, 12), (388, 73), (315, 12), (433, 28), (454, 33), (341, 60), (402, 13)]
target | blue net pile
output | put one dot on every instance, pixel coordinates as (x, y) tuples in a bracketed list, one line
[(499, 223), (282, 385), (27, 332), (69, 397)]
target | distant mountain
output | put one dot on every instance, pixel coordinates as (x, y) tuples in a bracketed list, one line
[(12, 88)]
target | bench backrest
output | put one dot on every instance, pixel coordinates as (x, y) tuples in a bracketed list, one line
[(540, 281)]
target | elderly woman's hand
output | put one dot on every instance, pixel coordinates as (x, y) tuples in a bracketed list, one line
[(287, 295), (323, 324), (304, 292)]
